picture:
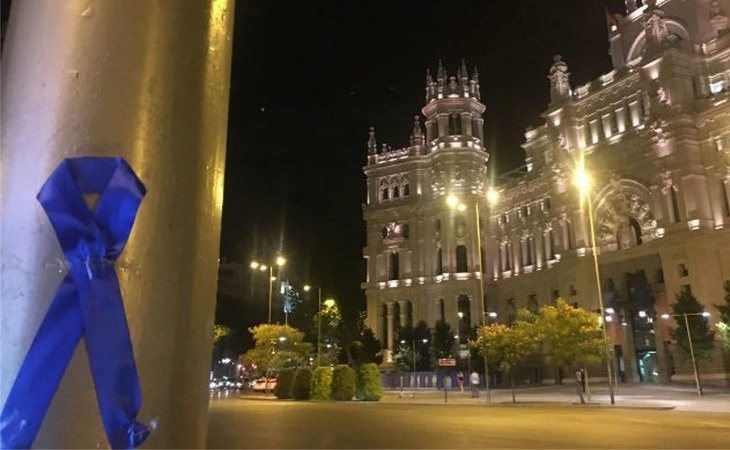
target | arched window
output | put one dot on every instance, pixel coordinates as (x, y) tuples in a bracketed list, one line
[(394, 266), (454, 124), (528, 251), (568, 238), (396, 191), (464, 317), (675, 204), (509, 256), (635, 231), (551, 244), (384, 232), (384, 192), (461, 265), (406, 189), (439, 262)]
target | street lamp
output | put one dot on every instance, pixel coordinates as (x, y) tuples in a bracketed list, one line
[(453, 201), (279, 261), (691, 346), (413, 349), (308, 288), (583, 182)]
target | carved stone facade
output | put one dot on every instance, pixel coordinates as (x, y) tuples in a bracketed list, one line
[(654, 134)]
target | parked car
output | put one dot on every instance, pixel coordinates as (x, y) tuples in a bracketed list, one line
[(261, 384)]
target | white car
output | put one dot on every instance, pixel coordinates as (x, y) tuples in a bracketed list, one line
[(261, 384)]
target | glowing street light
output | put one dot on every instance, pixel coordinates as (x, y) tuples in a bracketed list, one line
[(492, 196), (330, 302), (691, 346), (307, 288), (582, 180), (279, 261), (452, 200)]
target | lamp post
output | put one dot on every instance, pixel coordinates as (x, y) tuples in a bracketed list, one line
[(583, 181), (279, 261), (691, 346), (307, 288), (453, 202)]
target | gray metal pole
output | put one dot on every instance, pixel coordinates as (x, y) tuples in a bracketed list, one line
[(271, 281), (692, 353), (482, 318), (319, 324), (147, 81)]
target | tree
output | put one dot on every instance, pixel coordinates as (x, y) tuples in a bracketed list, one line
[(403, 357), (343, 383), (443, 341), (506, 347), (366, 349), (302, 385), (220, 332), (570, 336), (702, 336), (723, 324), (423, 333), (277, 347)]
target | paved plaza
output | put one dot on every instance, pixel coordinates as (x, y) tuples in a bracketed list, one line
[(545, 418)]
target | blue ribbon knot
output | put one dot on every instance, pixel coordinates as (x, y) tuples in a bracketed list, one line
[(88, 303)]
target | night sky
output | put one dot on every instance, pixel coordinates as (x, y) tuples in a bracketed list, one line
[(310, 77)]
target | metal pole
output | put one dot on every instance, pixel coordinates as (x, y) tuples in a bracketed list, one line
[(481, 298), (413, 341), (106, 79), (271, 281), (609, 358), (319, 323), (692, 353)]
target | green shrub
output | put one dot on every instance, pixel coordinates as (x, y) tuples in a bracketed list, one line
[(284, 384), (322, 383), (343, 383), (302, 383), (369, 387)]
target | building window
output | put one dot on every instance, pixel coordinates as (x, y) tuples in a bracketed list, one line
[(725, 200), (406, 231), (396, 191), (594, 131), (406, 189), (568, 238), (439, 262), (572, 290), (384, 194), (509, 256), (551, 244), (556, 294), (464, 311), (659, 276), (454, 124), (528, 251), (437, 226), (459, 225), (384, 232), (461, 265), (394, 266), (635, 231), (674, 204)]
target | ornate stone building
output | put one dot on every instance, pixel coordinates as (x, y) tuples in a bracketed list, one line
[(655, 135)]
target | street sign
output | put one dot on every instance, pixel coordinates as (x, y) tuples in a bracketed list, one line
[(463, 354), (447, 362)]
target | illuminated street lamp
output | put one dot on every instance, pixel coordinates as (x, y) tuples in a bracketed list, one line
[(583, 181), (308, 288), (691, 346), (454, 203), (279, 261)]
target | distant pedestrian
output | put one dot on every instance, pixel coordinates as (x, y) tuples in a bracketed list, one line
[(579, 386), (474, 382), (460, 380)]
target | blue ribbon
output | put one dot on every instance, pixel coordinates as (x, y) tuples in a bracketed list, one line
[(88, 303)]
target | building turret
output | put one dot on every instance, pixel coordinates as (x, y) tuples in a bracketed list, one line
[(559, 81), (417, 135)]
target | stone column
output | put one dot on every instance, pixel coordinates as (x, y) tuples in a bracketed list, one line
[(390, 317), (149, 82)]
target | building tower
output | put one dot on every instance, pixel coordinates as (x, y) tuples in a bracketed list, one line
[(422, 253)]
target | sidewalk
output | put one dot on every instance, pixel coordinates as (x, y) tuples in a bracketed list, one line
[(678, 397)]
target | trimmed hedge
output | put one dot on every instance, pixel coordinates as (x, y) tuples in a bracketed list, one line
[(284, 384), (343, 383), (302, 383), (369, 386), (322, 383)]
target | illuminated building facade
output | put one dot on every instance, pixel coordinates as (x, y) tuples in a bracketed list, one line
[(655, 135)]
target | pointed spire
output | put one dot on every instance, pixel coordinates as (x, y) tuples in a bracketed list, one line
[(417, 136), (440, 73), (372, 143), (464, 77)]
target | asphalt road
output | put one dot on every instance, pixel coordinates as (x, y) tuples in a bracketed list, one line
[(236, 423)]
